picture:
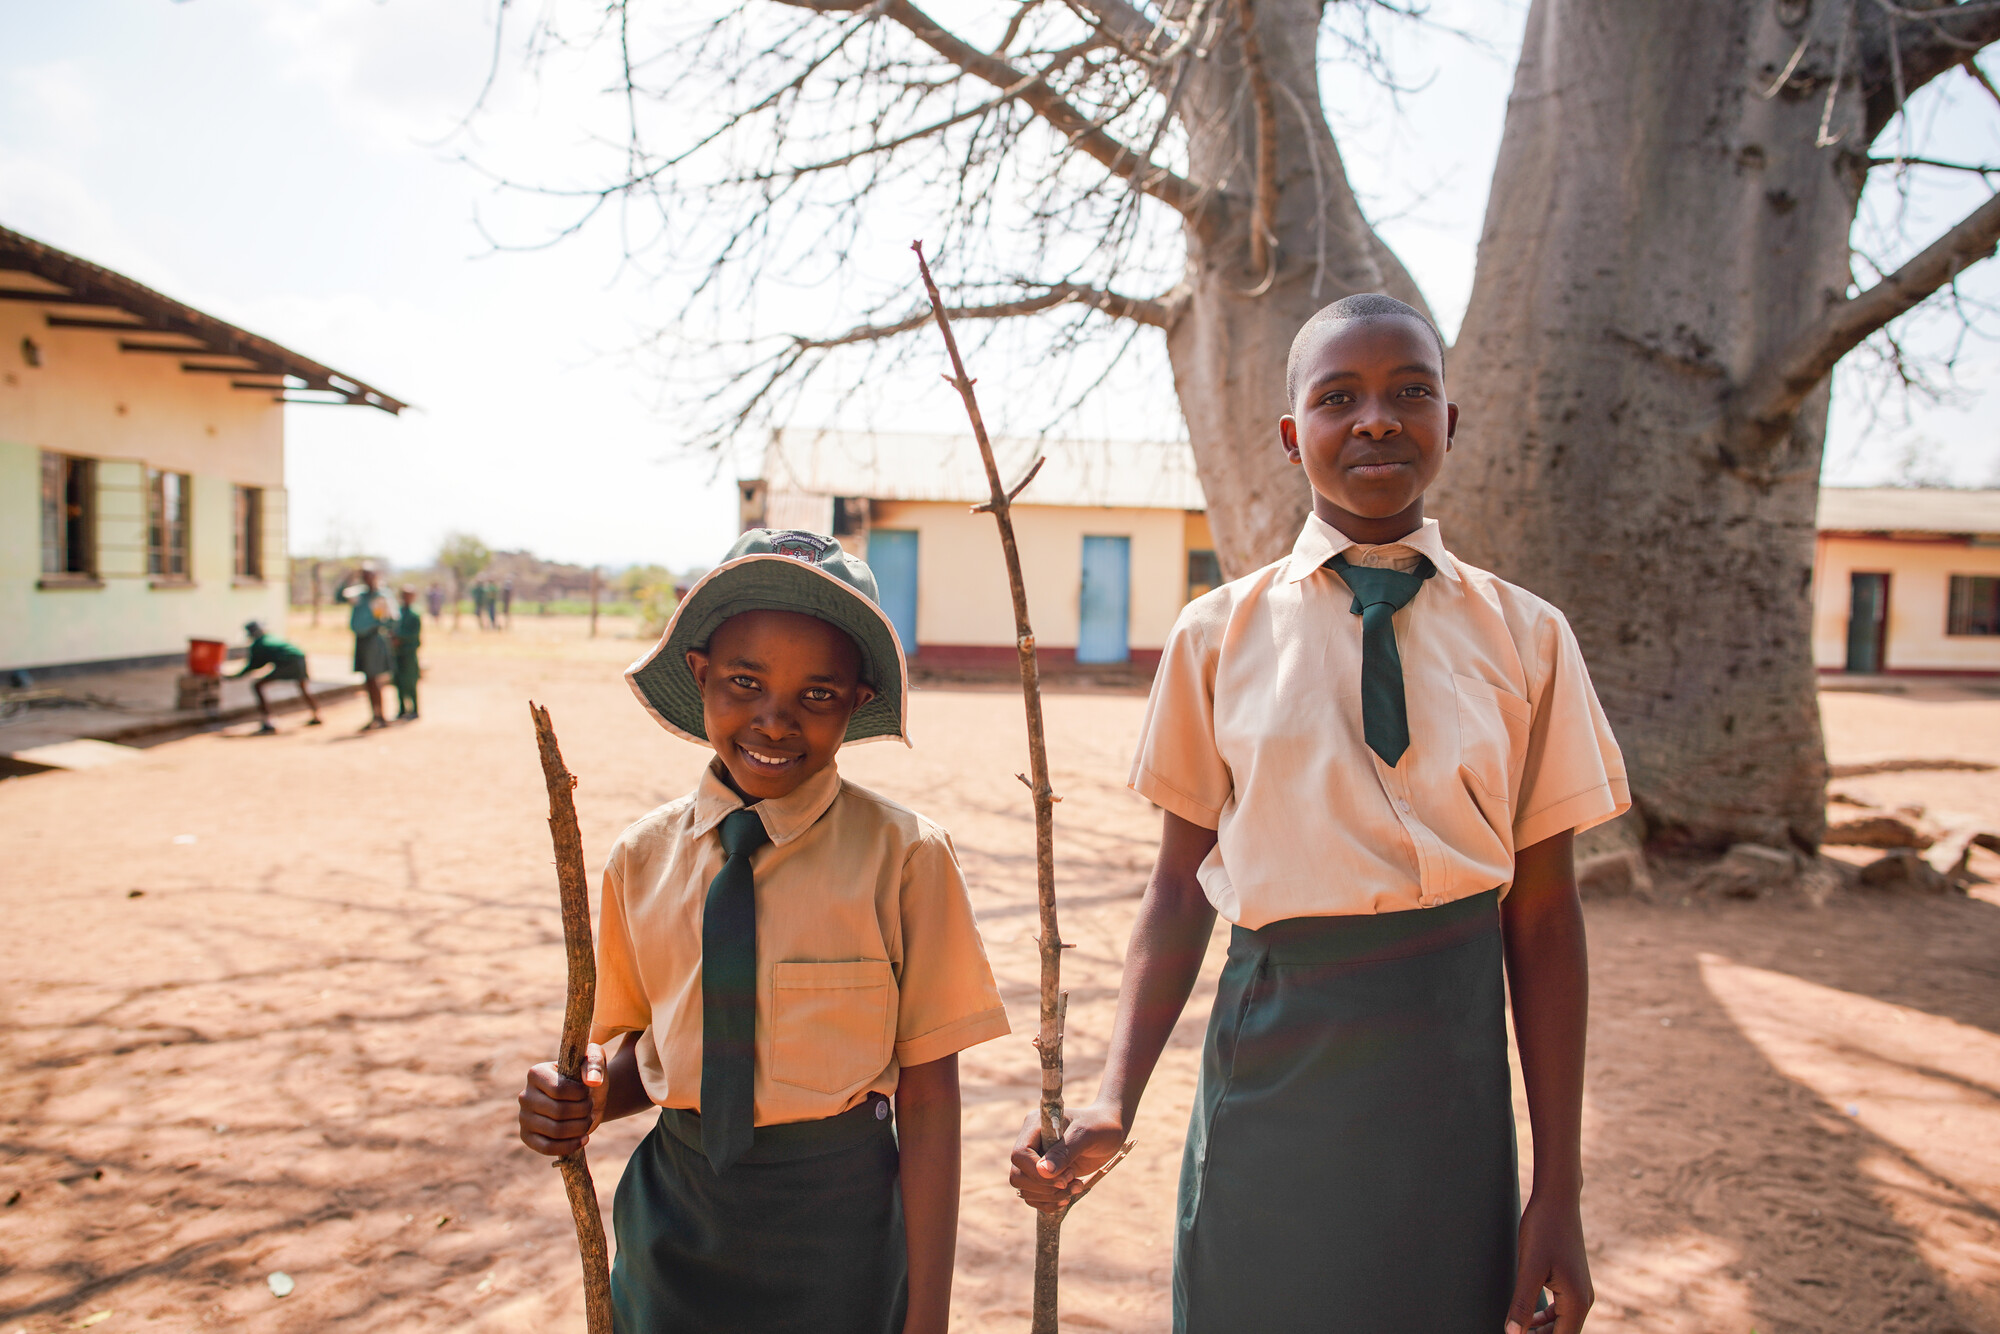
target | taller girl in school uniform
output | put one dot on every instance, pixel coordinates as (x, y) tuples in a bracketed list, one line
[(1371, 757)]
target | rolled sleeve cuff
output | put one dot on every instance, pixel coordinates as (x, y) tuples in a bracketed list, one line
[(1583, 811), (953, 1037), (1164, 795), (603, 1033)]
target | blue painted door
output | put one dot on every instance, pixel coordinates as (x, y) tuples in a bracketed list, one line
[(1107, 600), (892, 555)]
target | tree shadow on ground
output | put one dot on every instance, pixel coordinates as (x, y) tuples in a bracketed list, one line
[(1725, 1189)]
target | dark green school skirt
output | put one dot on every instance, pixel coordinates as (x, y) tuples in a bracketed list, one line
[(803, 1235), (371, 654), (1350, 1163)]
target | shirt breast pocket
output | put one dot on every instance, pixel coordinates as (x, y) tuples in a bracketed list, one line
[(833, 1025), (1492, 734)]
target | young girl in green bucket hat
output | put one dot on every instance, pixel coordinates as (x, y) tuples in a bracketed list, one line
[(793, 963)]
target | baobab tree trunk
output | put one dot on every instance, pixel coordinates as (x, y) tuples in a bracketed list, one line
[(1658, 232), (1240, 303)]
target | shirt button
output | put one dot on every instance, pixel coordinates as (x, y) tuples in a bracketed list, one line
[(1403, 806)]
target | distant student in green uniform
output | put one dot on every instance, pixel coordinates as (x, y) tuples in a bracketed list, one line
[(287, 663), (409, 634), (1371, 757), (787, 953), (370, 619)]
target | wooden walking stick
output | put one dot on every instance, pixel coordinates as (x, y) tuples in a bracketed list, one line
[(575, 886), (1055, 1001)]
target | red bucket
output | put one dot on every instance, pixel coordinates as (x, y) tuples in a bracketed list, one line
[(206, 656)]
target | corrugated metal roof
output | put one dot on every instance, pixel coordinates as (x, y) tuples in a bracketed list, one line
[(1907, 509), (77, 283), (1119, 474)]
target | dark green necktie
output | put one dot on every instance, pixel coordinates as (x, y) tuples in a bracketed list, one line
[(1385, 717), (729, 995)]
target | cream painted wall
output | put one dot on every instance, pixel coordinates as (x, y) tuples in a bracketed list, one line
[(1919, 593), (130, 411), (87, 397), (1199, 538), (962, 593)]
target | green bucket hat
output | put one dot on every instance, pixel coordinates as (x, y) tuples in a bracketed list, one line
[(768, 570)]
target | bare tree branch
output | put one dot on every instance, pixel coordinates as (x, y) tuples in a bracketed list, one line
[(1928, 40), (1155, 312), (978, 109), (1772, 397), (1132, 28), (1874, 162), (1177, 192), (1264, 207), (1979, 77)]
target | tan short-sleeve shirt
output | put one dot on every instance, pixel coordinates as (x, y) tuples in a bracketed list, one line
[(868, 958), (1254, 730)]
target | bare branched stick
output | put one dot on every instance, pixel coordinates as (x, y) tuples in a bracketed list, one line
[(1049, 1036), (575, 886)]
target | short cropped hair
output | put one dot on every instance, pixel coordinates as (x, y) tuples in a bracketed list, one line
[(1348, 310)]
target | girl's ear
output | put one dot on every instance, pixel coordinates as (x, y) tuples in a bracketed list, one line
[(1288, 436), (697, 661), (1450, 425), (863, 692)]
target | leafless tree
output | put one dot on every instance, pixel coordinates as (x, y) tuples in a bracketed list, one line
[(1664, 278)]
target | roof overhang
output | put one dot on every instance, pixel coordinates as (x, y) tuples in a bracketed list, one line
[(77, 294), (1910, 513)]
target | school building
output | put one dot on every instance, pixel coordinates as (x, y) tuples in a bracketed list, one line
[(1907, 581), (142, 466), (1112, 535)]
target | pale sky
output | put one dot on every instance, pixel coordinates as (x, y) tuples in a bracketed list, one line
[(289, 165)]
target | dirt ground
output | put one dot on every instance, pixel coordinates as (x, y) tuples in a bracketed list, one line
[(267, 1003)]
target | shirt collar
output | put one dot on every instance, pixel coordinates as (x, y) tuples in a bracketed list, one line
[(1319, 542), (785, 818)]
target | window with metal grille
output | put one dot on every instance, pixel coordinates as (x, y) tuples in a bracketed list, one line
[(1975, 605), (167, 524), (69, 514), (250, 532)]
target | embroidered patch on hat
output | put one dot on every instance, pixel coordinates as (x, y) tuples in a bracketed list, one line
[(808, 547)]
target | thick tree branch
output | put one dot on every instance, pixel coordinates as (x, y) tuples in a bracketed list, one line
[(1773, 396), (1177, 192), (1264, 210), (1152, 311), (1929, 41)]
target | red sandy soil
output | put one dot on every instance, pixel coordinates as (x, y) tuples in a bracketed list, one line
[(268, 1001)]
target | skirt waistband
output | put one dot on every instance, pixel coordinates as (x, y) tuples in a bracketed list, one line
[(796, 1139), (1372, 937)]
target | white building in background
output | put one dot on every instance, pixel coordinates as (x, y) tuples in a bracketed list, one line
[(1907, 581), (142, 466), (1113, 538)]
